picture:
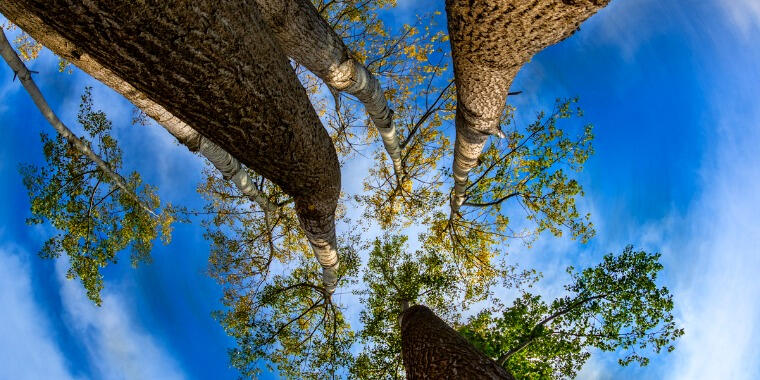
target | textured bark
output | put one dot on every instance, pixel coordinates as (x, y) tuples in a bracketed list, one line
[(307, 38), (214, 68), (227, 165), (490, 41), (20, 70), (431, 349)]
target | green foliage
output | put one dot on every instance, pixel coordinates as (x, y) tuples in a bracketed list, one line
[(29, 49), (614, 306), (275, 306), (95, 220), (529, 168), (273, 303), (520, 189), (290, 324), (394, 275)]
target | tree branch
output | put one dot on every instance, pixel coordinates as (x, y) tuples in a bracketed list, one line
[(18, 67), (533, 335)]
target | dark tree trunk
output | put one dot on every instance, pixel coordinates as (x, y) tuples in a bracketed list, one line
[(307, 38), (490, 41), (215, 67), (431, 349)]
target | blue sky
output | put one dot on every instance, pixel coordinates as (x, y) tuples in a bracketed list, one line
[(672, 88)]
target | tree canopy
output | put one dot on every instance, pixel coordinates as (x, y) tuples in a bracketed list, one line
[(276, 305)]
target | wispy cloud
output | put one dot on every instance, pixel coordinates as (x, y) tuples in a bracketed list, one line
[(718, 291), (744, 14), (117, 345), (29, 349)]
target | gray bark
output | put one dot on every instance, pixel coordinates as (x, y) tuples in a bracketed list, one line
[(490, 41), (20, 70), (228, 166), (216, 69), (307, 38)]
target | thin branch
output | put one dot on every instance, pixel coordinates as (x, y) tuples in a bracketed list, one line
[(533, 335), (19, 69), (492, 203), (425, 116)]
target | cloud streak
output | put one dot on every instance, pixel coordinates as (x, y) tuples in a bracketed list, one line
[(718, 292), (117, 346), (745, 14), (28, 349)]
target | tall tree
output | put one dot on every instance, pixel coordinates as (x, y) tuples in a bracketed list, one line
[(490, 41), (199, 61), (616, 305), (307, 38), (613, 306)]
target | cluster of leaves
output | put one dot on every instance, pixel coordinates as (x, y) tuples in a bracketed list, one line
[(291, 324), (29, 49), (614, 306), (524, 174), (94, 218), (529, 168), (275, 305), (421, 93), (394, 277)]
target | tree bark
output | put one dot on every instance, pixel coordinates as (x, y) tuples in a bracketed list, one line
[(307, 38), (490, 41), (431, 349), (215, 68)]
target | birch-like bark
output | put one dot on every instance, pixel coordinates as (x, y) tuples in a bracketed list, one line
[(490, 41), (431, 349), (216, 69), (307, 38), (23, 74), (228, 166)]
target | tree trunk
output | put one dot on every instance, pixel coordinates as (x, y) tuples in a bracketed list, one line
[(490, 41), (307, 38), (431, 349), (215, 68)]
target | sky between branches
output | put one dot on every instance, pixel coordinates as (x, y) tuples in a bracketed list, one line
[(672, 90)]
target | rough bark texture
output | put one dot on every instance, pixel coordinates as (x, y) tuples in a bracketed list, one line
[(229, 166), (490, 41), (20, 70), (215, 68), (307, 38), (431, 349)]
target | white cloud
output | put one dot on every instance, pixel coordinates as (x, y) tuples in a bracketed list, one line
[(718, 293), (118, 348), (744, 14), (28, 349), (594, 369)]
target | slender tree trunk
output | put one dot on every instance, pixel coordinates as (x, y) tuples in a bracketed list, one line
[(215, 68), (307, 38), (490, 41), (25, 76), (431, 349)]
